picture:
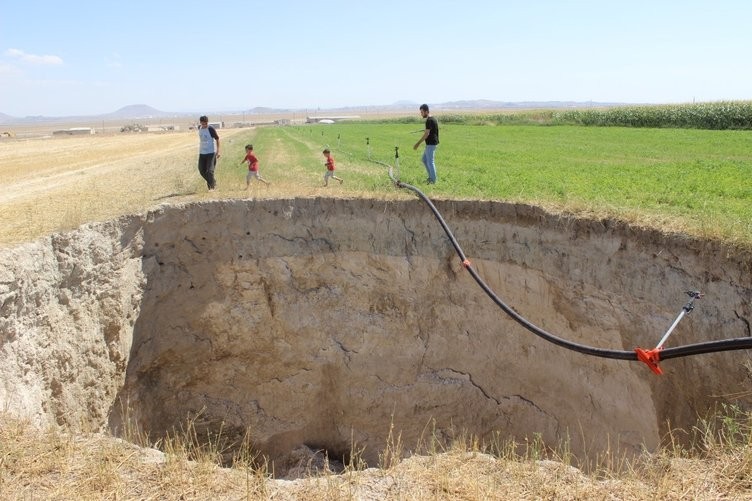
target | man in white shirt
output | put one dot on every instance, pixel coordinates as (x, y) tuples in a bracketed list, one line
[(208, 154)]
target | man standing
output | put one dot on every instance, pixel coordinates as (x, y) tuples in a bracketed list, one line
[(207, 154), (431, 137)]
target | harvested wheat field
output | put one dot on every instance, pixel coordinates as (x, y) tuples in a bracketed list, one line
[(159, 341)]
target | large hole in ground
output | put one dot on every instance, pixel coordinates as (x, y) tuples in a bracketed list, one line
[(321, 324)]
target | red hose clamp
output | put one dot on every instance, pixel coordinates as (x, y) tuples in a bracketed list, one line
[(651, 358)]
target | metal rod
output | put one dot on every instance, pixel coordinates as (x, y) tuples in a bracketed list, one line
[(673, 326)]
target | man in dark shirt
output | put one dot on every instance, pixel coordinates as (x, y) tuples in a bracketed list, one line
[(431, 137)]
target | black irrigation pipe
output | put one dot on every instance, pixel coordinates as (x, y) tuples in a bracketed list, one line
[(650, 357)]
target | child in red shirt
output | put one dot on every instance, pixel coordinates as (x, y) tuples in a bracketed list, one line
[(253, 165), (329, 168)]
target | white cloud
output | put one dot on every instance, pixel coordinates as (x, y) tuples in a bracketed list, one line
[(33, 58)]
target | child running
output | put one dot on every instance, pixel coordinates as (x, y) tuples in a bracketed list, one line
[(253, 165), (330, 168)]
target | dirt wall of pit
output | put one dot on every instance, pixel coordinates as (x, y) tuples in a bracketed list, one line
[(329, 323)]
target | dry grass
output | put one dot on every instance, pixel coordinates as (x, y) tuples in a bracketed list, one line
[(51, 464), (58, 184)]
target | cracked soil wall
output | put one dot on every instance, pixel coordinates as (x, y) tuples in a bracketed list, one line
[(330, 322)]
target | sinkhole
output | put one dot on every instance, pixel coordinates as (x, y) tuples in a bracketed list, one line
[(337, 325)]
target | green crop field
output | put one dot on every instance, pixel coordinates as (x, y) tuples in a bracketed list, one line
[(685, 180), (681, 180)]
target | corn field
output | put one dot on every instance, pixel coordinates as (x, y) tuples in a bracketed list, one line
[(713, 116), (721, 115)]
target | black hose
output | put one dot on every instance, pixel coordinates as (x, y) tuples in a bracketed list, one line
[(743, 343)]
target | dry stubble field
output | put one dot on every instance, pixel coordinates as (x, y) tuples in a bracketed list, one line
[(59, 183)]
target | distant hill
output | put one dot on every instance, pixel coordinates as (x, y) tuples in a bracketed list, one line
[(137, 111), (145, 112), (263, 110), (6, 119), (480, 104), (130, 112)]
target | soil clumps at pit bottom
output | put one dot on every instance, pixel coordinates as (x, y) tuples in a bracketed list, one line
[(327, 324)]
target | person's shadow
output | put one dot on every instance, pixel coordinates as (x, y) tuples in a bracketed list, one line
[(172, 195)]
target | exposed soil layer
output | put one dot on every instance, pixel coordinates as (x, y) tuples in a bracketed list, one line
[(329, 323)]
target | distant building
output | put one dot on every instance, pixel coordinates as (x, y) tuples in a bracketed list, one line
[(329, 119), (162, 128)]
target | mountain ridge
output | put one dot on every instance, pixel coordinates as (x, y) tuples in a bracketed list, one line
[(145, 111)]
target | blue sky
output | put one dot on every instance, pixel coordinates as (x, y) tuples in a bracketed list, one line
[(91, 57)]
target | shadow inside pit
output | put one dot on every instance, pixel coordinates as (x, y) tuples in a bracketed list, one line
[(317, 325)]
